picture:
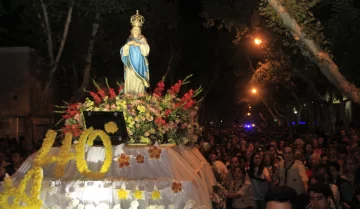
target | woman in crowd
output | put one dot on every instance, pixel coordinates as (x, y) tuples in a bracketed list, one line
[(260, 179), (322, 158)]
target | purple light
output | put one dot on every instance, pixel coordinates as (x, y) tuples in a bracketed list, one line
[(249, 126), (301, 123)]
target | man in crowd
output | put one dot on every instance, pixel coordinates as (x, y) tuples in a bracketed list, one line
[(292, 173), (282, 197), (320, 196)]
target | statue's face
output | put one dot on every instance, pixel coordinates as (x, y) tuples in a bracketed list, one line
[(136, 32)]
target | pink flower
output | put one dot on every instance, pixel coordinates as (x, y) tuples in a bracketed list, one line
[(107, 107), (184, 125)]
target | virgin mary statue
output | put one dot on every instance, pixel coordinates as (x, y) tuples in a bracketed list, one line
[(134, 56)]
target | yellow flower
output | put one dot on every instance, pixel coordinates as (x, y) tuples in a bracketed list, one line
[(64, 157), (138, 194), (141, 108), (145, 140), (149, 117), (19, 194), (88, 136), (123, 194), (111, 127), (156, 195)]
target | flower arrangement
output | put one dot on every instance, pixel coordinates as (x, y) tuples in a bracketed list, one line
[(218, 197), (158, 117)]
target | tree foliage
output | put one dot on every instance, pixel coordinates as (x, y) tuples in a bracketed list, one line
[(272, 72), (233, 16), (162, 27), (302, 12)]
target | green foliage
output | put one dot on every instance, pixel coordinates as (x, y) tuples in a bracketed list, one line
[(272, 72), (301, 11), (233, 16)]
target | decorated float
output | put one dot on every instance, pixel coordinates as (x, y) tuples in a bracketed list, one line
[(121, 148)]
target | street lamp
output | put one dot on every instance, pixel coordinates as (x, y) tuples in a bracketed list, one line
[(254, 91), (257, 41)]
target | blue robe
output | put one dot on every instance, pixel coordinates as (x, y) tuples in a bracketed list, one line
[(137, 61)]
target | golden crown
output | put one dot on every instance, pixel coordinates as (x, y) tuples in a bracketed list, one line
[(137, 20)]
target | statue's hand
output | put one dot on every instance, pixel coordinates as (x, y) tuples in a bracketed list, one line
[(133, 43)]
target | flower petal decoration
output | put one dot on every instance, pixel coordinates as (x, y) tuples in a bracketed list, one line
[(140, 159), (134, 204), (176, 187), (122, 159), (123, 194), (111, 127), (156, 195), (139, 194), (154, 152)]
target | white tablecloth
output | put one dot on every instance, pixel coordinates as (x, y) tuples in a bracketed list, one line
[(180, 164)]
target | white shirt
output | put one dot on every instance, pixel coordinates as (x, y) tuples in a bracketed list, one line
[(244, 189)]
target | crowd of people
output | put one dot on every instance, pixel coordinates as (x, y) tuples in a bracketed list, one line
[(13, 152), (261, 171), (323, 172)]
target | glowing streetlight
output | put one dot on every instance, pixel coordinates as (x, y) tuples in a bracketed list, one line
[(248, 114), (254, 91), (257, 41)]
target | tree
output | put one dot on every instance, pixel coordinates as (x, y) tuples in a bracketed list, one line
[(290, 14), (303, 71)]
